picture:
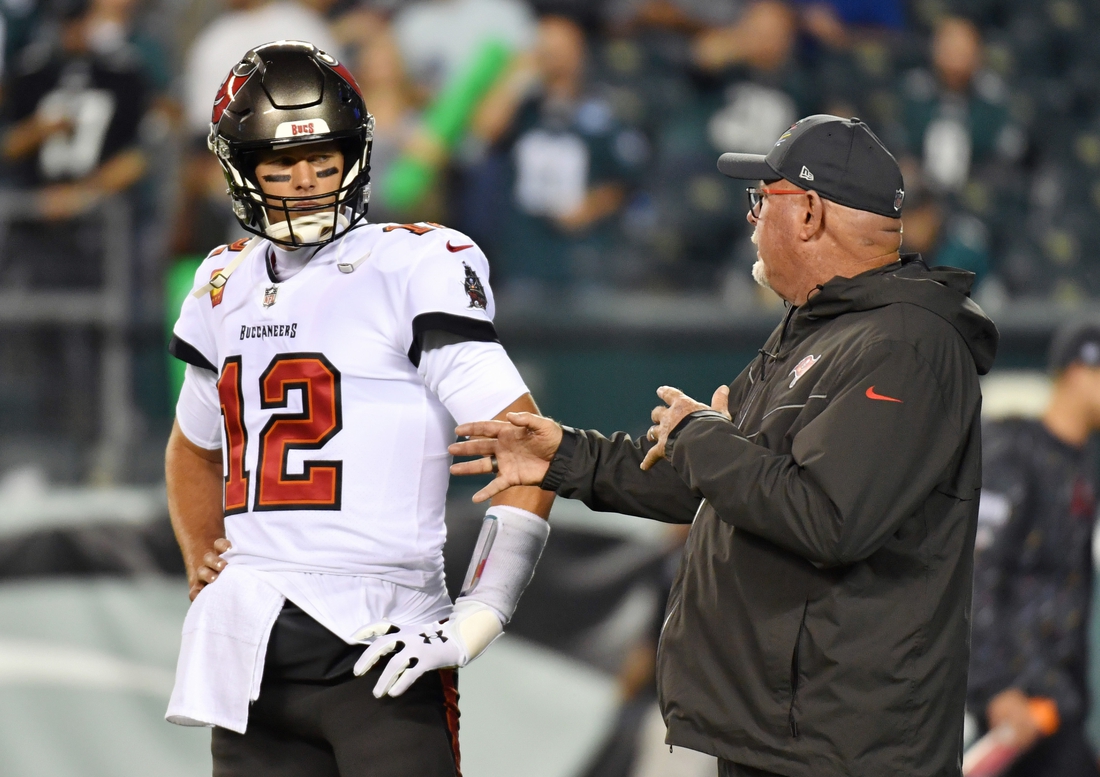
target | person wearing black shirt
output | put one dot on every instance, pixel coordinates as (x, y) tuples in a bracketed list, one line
[(1033, 566), (72, 109)]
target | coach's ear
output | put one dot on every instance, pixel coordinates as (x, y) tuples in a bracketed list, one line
[(812, 218)]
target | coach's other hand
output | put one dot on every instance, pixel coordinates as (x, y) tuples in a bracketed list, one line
[(522, 447), (679, 406)]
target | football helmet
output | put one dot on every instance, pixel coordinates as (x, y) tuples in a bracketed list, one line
[(288, 93)]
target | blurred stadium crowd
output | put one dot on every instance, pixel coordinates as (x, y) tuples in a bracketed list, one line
[(584, 162)]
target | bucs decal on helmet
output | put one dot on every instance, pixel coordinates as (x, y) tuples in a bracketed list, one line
[(474, 290), (237, 77)]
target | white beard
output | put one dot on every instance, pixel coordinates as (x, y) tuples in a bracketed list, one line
[(760, 274)]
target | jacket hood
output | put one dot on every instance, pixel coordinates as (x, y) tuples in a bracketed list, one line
[(944, 291)]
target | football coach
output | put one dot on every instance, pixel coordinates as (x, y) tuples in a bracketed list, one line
[(819, 623)]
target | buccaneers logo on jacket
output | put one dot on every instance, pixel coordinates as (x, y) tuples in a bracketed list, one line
[(802, 368), (474, 290)]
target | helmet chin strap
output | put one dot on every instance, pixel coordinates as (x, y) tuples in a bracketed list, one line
[(308, 228)]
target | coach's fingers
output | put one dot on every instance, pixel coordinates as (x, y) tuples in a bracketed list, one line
[(390, 675), (206, 574), (495, 486), (481, 466), (477, 447), (721, 400), (535, 423), (658, 413), (669, 394), (482, 428), (655, 454), (221, 545)]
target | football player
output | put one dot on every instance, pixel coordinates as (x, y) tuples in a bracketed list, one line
[(326, 358)]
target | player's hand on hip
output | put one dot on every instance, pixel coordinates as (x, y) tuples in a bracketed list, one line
[(678, 405), (518, 450), (209, 567), (416, 650)]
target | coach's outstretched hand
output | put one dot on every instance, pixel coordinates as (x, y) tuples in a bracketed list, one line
[(521, 447), (679, 406)]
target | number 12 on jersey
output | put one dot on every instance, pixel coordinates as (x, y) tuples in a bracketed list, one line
[(319, 485)]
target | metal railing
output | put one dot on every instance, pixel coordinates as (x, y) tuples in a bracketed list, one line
[(107, 309)]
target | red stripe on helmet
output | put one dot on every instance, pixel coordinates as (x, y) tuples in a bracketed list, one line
[(228, 91), (347, 76)]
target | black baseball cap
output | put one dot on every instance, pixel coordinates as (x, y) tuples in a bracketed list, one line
[(840, 159), (1075, 343)]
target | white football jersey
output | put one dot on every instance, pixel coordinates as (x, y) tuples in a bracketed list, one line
[(337, 392)]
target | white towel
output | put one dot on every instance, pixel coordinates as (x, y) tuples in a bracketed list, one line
[(221, 660)]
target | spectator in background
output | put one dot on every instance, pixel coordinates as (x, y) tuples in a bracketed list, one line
[(393, 102), (746, 89), (1033, 569), (836, 23), (247, 23), (960, 145), (438, 38), (112, 25), (73, 109), (571, 163), (955, 118), (203, 218), (764, 90)]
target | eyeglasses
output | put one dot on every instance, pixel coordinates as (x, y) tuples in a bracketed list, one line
[(756, 196)]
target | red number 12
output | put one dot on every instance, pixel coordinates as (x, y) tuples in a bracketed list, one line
[(319, 485)]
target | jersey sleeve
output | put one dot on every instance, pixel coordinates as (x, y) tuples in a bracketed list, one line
[(198, 411), (193, 334), (448, 291), (473, 380), (450, 335)]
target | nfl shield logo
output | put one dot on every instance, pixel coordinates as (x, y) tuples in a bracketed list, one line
[(269, 295), (802, 368)]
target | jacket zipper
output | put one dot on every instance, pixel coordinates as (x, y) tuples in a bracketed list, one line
[(765, 356), (794, 672)]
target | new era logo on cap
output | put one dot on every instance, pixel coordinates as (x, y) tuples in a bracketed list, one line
[(840, 159)]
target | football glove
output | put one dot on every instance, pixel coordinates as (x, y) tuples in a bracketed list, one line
[(452, 642)]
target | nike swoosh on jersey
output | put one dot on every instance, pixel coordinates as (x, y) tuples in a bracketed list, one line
[(456, 249), (872, 395)]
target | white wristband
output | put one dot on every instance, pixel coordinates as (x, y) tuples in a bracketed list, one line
[(507, 550)]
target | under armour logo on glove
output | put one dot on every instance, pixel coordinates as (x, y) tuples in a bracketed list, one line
[(415, 650)]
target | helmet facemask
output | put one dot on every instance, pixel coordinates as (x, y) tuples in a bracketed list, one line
[(302, 225)]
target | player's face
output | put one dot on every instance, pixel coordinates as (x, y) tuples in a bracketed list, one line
[(311, 170)]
